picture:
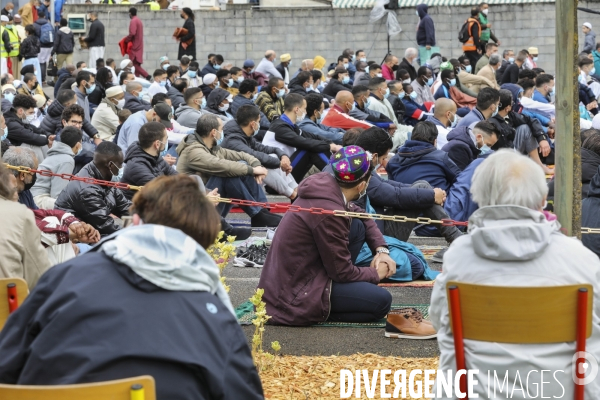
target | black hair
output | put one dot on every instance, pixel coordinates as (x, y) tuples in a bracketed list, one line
[(184, 60), (425, 132), (172, 70), (543, 79), (102, 76), (219, 58), (248, 86), (585, 61), (506, 99), (405, 86), (292, 100), (235, 70), (374, 66), (222, 73), (461, 59), (422, 71), (351, 136), (107, 148), (190, 93), (188, 11), (446, 74), (538, 71), (402, 72), (28, 77), (487, 127), (303, 77), (151, 132), (374, 83), (475, 11), (273, 83), (316, 74), (360, 89), (24, 101), (247, 114), (63, 22), (194, 64), (30, 29), (527, 74), (73, 109), (123, 77), (341, 58), (158, 72), (133, 11), (99, 63), (526, 84), (338, 71), (180, 84), (79, 64), (159, 98), (314, 102), (375, 140), (83, 76), (70, 136), (65, 95), (486, 97)]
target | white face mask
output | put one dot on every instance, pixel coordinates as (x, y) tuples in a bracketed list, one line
[(121, 103), (224, 108)]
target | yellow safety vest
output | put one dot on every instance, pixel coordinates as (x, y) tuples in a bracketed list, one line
[(154, 6), (14, 41)]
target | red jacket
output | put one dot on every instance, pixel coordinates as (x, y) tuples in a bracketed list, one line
[(337, 118), (310, 251), (387, 73), (125, 46), (136, 37)]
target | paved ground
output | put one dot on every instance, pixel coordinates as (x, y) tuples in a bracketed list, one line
[(335, 341)]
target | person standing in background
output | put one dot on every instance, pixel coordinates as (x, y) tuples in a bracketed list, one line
[(425, 34), (136, 37), (486, 28), (11, 44), (190, 50), (64, 43), (589, 44), (8, 9), (95, 38), (28, 13)]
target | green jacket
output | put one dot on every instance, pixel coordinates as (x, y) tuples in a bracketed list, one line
[(197, 159), (485, 32)]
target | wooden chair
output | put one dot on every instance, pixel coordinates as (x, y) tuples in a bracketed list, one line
[(13, 292), (493, 314), (138, 388)]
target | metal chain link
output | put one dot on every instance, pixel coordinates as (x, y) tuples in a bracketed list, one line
[(290, 207)]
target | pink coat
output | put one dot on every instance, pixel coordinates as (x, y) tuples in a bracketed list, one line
[(136, 37)]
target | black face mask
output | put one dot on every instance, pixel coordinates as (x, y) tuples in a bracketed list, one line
[(395, 68), (182, 17), (30, 185)]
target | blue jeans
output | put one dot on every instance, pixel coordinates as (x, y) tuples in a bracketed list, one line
[(358, 301), (242, 187)]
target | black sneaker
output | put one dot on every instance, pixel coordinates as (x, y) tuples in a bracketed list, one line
[(254, 256), (439, 256), (240, 233), (265, 219)]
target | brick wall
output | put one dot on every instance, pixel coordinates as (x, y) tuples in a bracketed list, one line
[(241, 33)]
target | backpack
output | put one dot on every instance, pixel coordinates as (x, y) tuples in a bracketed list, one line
[(46, 34), (464, 34)]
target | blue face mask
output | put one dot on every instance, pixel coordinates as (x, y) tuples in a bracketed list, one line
[(257, 130), (203, 105), (5, 133), (453, 82), (230, 82), (217, 67), (320, 119), (166, 66), (387, 93), (468, 69), (218, 84), (593, 71), (309, 89), (401, 95), (346, 66), (163, 83), (413, 95), (495, 112), (281, 93), (430, 81), (9, 96), (240, 79), (511, 60), (219, 141), (90, 89), (117, 178), (346, 80), (139, 96), (164, 152), (368, 102), (191, 74), (80, 150), (535, 58), (255, 97), (485, 149)]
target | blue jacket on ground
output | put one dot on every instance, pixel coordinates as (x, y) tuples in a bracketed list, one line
[(459, 204), (326, 132), (442, 91), (460, 147), (473, 117), (417, 160), (414, 112), (426, 29)]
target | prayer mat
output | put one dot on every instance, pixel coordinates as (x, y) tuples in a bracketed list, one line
[(419, 284), (245, 315), (429, 251)]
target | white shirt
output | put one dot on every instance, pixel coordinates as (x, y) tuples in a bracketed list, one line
[(156, 88), (442, 137)]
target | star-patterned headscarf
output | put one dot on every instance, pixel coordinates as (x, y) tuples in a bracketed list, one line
[(350, 164)]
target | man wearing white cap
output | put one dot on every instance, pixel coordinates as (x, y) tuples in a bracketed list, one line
[(283, 67), (209, 83), (589, 44), (164, 62), (531, 61), (105, 118)]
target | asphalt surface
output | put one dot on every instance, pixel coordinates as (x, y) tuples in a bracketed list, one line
[(334, 341)]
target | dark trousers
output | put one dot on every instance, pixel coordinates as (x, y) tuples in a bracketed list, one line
[(473, 57), (358, 301), (303, 160), (244, 187), (402, 230), (139, 71)]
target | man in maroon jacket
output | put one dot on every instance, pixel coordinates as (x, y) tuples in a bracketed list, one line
[(136, 37), (309, 275)]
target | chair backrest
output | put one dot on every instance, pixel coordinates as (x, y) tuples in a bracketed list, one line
[(521, 314), (138, 388), (13, 292)]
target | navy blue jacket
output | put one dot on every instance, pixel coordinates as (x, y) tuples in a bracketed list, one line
[(417, 160), (426, 30), (589, 214), (92, 319), (460, 147)]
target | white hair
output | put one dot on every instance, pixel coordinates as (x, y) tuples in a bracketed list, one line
[(19, 157), (494, 59), (509, 178), (411, 51)]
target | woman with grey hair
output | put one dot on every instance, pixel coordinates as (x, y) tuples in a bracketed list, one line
[(512, 243)]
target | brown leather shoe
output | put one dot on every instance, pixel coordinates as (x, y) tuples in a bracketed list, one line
[(408, 323)]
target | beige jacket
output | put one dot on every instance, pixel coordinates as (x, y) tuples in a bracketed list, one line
[(21, 250), (489, 73), (105, 119), (197, 159), (474, 82)]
